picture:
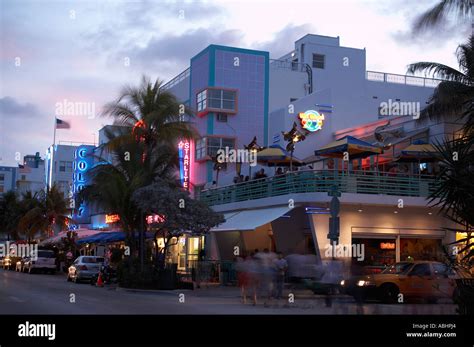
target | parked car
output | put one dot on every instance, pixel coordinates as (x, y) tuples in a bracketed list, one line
[(9, 262), (421, 279), (20, 264), (84, 268), (45, 261)]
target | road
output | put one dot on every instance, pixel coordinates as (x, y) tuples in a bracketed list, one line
[(51, 294)]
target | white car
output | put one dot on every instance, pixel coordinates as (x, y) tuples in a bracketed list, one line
[(45, 261), (84, 268)]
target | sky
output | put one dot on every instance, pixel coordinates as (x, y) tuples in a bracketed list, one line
[(86, 51)]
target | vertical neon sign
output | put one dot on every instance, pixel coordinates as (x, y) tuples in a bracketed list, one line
[(184, 153)]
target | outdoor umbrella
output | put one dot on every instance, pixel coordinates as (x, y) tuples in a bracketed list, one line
[(418, 152), (355, 147), (275, 155)]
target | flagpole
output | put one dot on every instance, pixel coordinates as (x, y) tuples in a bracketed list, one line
[(51, 158)]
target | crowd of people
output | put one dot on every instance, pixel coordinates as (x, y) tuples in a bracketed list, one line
[(261, 274)]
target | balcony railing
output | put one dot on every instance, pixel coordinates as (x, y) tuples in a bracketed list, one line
[(313, 181), (181, 77), (403, 79)]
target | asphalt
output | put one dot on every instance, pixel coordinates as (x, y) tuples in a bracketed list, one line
[(22, 293)]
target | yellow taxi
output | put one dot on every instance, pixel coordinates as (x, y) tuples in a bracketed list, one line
[(429, 280)]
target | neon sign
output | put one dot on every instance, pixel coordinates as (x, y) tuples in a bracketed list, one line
[(155, 218), (311, 120), (184, 154), (111, 218), (387, 245)]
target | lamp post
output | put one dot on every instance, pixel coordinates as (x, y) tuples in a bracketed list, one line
[(252, 147), (292, 137)]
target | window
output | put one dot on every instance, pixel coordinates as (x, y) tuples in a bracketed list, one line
[(23, 177), (208, 146), (1, 189), (421, 270), (65, 166), (218, 99), (202, 101), (318, 61), (2, 177), (442, 270), (222, 117)]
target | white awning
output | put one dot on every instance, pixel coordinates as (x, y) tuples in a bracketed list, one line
[(250, 219)]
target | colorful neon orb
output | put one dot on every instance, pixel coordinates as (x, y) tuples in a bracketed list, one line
[(311, 120)]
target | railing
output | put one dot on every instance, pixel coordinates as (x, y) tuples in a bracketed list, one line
[(403, 79), (313, 181), (181, 77)]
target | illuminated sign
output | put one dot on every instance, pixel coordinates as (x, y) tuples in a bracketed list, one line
[(83, 161), (387, 245), (111, 218), (184, 153), (311, 120), (155, 218)]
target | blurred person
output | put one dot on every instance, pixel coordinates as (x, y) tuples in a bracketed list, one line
[(281, 265), (267, 271), (253, 275), (242, 277), (279, 172)]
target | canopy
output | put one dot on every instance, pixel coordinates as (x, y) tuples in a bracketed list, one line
[(250, 219), (275, 155), (422, 152), (109, 236), (355, 147), (81, 233)]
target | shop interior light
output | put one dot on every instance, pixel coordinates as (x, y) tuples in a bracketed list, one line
[(359, 210), (395, 212)]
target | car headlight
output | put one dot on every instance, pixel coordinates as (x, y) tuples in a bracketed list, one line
[(342, 282), (363, 283)]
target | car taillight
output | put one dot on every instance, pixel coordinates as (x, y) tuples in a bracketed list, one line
[(83, 267)]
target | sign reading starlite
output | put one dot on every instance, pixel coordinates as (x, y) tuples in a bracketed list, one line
[(184, 154), (311, 120)]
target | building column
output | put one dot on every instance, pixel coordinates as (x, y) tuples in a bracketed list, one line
[(397, 248)]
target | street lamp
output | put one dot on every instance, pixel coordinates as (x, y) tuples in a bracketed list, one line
[(252, 147), (292, 137)]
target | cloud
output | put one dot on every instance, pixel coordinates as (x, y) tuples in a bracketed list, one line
[(10, 107), (179, 48), (283, 40), (436, 37)]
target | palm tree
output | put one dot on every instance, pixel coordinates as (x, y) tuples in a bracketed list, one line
[(152, 115), (44, 211), (113, 183), (454, 96), (9, 214), (437, 14)]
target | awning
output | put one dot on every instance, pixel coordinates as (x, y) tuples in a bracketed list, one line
[(81, 233), (109, 236), (276, 155), (422, 152), (250, 219)]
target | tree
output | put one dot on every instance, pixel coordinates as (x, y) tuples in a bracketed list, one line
[(454, 96), (43, 211), (435, 16), (181, 214), (152, 115), (10, 214)]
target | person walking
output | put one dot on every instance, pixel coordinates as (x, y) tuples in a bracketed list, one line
[(281, 265)]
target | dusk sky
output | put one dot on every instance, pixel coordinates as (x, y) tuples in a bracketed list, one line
[(56, 50)]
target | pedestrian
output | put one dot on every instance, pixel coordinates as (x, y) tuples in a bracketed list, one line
[(281, 266), (242, 277), (265, 259)]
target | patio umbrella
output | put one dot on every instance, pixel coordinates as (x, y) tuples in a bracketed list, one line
[(275, 155), (355, 147), (419, 152)]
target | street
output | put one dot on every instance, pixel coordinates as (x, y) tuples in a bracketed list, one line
[(22, 293)]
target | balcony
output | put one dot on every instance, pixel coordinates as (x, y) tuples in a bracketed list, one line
[(403, 79), (317, 181)]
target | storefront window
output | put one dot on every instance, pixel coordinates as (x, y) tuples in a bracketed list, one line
[(420, 249), (378, 255)]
